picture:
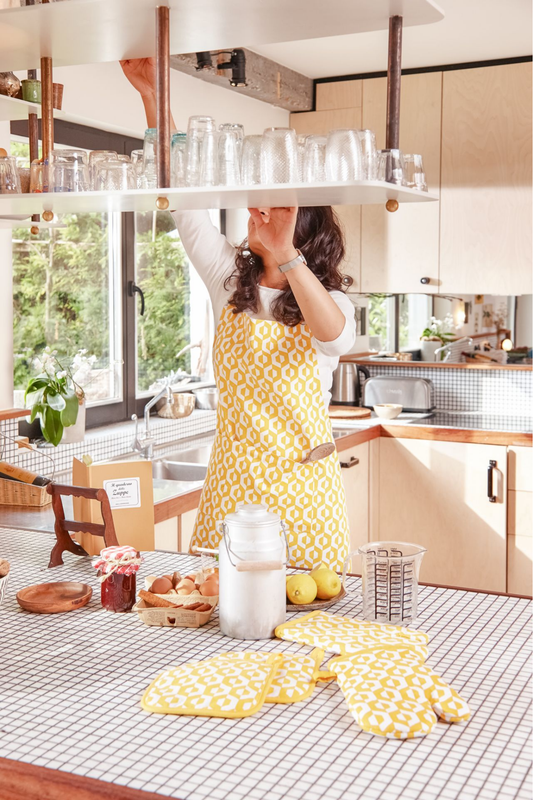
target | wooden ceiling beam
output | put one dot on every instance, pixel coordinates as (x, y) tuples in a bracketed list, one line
[(266, 80)]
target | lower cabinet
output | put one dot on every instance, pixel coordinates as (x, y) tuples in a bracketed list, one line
[(436, 494), (174, 534), (520, 521), (355, 471)]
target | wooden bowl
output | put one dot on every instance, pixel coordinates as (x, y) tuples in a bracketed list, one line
[(54, 598), (316, 605)]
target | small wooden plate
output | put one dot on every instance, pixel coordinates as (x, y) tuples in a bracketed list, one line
[(53, 598), (316, 605), (349, 412)]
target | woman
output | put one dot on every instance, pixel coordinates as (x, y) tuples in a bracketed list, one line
[(282, 324)]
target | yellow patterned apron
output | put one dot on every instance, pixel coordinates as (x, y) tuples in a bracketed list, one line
[(271, 413)]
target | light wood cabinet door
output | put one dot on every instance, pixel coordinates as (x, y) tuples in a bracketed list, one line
[(186, 527), (520, 535), (399, 249), (486, 180), (355, 472), (320, 122), (434, 493)]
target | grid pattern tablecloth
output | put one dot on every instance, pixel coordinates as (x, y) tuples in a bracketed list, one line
[(70, 686)]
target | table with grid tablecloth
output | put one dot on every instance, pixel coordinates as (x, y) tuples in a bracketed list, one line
[(70, 686)]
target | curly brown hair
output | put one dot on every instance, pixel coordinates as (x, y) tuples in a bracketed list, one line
[(319, 236)]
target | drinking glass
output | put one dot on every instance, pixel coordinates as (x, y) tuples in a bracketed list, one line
[(178, 159), (197, 128), (138, 165), (229, 147), (279, 156), (209, 159), (370, 154), (37, 176), (149, 175), (94, 157), (391, 167), (251, 160), (24, 177), (114, 175), (344, 156), (301, 139), (314, 169), (9, 180), (68, 171), (234, 127), (415, 177)]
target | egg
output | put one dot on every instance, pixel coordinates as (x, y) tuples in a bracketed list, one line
[(209, 589), (161, 586), (185, 586)]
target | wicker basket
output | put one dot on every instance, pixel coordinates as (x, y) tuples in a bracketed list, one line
[(16, 493), (172, 617)]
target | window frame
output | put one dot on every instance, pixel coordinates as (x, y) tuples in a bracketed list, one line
[(73, 135)]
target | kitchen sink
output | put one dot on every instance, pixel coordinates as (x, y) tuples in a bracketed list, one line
[(178, 471), (192, 455)]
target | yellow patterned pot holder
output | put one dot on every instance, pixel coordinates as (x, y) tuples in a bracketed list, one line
[(348, 636), (391, 694), (296, 677), (230, 685)]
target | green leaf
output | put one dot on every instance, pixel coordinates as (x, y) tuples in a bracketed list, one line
[(36, 410), (51, 425), (55, 401), (69, 415), (33, 397), (37, 384)]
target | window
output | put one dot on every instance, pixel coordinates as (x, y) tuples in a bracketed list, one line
[(70, 285), (396, 322)]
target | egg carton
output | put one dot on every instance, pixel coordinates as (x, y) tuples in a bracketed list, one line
[(173, 617)]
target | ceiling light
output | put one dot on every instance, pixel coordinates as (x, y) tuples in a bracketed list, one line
[(237, 64), (203, 60)]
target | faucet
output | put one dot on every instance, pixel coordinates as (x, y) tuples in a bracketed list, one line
[(447, 348), (144, 444)]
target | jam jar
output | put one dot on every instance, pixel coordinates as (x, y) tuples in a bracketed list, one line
[(117, 568)]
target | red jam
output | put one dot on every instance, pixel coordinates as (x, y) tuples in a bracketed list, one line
[(118, 592)]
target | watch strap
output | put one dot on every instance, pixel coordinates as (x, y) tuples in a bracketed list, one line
[(299, 259)]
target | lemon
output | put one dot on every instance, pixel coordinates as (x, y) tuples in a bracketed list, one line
[(327, 582), (301, 589), (316, 569)]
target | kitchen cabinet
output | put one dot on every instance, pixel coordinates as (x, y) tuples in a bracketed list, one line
[(520, 521), (486, 180), (355, 472), (327, 118), (434, 493), (399, 249), (174, 534)]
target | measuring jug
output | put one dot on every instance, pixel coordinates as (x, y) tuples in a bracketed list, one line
[(390, 581), (252, 599)]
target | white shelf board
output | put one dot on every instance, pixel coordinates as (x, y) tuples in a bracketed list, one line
[(324, 194), (11, 108), (90, 31)]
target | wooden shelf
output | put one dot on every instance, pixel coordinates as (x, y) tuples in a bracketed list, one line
[(90, 31), (325, 194)]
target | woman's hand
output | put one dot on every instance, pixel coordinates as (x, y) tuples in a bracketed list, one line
[(275, 229), (141, 74)]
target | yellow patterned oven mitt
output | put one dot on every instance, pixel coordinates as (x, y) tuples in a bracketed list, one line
[(348, 636), (390, 693), (296, 677), (229, 685)]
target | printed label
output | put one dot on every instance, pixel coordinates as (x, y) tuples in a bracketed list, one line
[(124, 493)]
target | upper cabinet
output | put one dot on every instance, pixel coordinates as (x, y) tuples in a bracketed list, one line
[(473, 129), (486, 180), (398, 250)]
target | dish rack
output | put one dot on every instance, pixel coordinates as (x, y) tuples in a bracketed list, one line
[(16, 493)]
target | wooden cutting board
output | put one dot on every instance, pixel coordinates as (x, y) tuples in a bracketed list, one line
[(349, 412)]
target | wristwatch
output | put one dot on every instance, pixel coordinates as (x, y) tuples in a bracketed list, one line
[(300, 259)]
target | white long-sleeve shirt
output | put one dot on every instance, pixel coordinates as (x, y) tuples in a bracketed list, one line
[(213, 257)]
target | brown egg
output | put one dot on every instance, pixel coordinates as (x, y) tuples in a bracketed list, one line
[(161, 586), (212, 579), (169, 578), (209, 589), (185, 586)]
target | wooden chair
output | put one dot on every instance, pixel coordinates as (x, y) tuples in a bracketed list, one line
[(63, 527)]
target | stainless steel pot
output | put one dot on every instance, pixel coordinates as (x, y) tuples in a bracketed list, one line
[(346, 387), (207, 399)]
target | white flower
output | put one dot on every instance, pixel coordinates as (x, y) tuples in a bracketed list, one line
[(61, 374)]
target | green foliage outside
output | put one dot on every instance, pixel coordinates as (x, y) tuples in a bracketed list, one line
[(378, 317)]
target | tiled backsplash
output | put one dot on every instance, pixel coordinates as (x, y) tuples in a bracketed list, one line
[(491, 391), (102, 443)]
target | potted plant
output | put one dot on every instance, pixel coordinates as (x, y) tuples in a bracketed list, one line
[(56, 396), (436, 334)]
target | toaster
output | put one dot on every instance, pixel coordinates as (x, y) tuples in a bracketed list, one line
[(414, 394)]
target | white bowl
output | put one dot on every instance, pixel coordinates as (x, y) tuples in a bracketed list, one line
[(388, 410)]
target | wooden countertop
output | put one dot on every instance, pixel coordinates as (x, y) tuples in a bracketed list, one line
[(366, 362), (13, 413)]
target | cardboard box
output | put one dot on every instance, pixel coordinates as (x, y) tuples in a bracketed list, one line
[(130, 489)]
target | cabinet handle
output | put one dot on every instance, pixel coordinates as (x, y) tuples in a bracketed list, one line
[(490, 481), (353, 462), (425, 281)]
